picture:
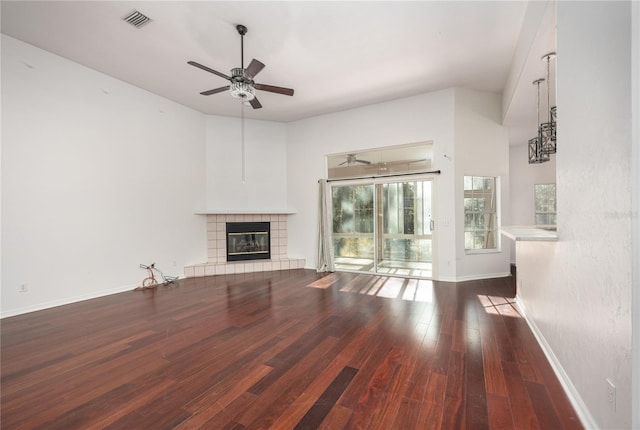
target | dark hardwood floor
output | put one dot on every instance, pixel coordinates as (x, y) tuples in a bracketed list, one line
[(283, 350)]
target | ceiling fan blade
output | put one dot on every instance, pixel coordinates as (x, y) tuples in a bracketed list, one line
[(254, 68), (207, 69), (255, 103), (363, 161), (273, 89), (215, 91)]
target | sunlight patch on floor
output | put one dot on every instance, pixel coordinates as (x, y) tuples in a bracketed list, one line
[(415, 290), (496, 305)]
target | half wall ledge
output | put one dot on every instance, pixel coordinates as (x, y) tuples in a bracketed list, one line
[(245, 212), (228, 268)]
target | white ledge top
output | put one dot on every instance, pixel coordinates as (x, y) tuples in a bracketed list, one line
[(245, 212), (529, 233)]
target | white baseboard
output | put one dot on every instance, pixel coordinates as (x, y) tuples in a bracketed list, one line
[(473, 277), (66, 301), (578, 404)]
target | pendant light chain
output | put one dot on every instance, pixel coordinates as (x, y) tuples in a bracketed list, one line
[(548, 90), (538, 102)]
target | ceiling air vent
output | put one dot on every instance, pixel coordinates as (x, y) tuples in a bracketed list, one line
[(137, 19)]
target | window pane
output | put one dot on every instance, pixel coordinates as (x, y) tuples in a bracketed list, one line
[(480, 217), (478, 183), (353, 209), (468, 221), (545, 204), (468, 240), (354, 247), (468, 183), (407, 250), (468, 205), (390, 208)]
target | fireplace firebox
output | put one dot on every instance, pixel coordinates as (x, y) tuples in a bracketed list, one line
[(248, 241)]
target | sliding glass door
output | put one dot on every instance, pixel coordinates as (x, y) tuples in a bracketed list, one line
[(384, 227)]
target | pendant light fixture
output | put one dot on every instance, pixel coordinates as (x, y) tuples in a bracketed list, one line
[(536, 154), (548, 129)]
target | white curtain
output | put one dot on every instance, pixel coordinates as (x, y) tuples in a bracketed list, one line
[(325, 247)]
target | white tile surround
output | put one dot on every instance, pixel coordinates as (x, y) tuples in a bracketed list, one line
[(217, 247)]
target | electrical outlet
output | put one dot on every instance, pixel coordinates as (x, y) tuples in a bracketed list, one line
[(611, 394), (24, 288)]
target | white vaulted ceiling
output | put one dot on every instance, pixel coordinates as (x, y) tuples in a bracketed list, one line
[(336, 55)]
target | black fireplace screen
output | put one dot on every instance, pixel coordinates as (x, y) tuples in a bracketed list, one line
[(248, 241)]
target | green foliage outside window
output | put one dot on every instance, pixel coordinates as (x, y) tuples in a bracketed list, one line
[(353, 214), (545, 202), (480, 213)]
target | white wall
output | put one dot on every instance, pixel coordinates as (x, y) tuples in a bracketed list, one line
[(97, 177), (635, 189), (577, 292), (265, 162), (482, 149)]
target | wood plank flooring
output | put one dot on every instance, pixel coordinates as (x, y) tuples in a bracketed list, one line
[(283, 350)]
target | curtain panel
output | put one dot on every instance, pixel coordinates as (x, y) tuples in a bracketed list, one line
[(325, 246)]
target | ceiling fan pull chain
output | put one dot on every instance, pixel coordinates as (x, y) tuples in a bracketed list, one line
[(242, 137)]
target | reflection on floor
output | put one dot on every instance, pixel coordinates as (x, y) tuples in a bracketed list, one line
[(413, 269)]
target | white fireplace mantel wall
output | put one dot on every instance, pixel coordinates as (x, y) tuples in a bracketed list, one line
[(217, 263)]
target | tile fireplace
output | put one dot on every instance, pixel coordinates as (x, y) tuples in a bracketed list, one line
[(217, 246)]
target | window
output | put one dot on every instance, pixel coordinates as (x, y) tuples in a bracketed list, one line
[(545, 203), (480, 213)]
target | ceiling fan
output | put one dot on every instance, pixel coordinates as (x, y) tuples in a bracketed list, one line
[(241, 85), (353, 159)]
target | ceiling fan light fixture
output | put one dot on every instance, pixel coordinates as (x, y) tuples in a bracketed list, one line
[(242, 91), (240, 87)]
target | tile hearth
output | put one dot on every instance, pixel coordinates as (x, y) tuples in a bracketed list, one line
[(217, 247)]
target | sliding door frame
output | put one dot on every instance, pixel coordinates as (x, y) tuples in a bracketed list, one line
[(377, 228)]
